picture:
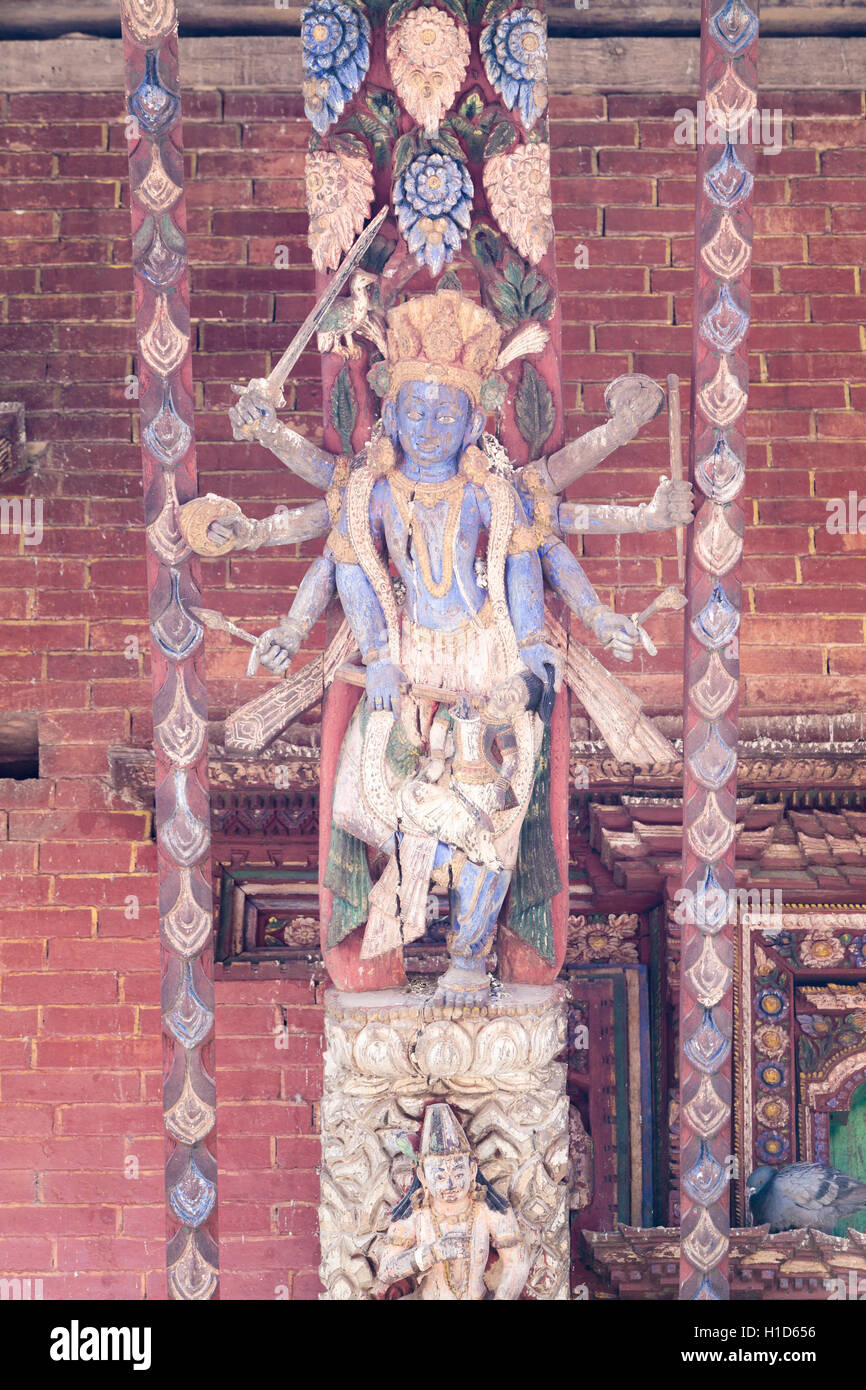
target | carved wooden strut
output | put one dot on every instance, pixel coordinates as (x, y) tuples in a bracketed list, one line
[(177, 656), (723, 256)]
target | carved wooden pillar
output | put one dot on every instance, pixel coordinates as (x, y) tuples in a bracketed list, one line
[(723, 253), (179, 699)]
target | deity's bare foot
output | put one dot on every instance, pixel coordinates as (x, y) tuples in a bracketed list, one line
[(461, 988)]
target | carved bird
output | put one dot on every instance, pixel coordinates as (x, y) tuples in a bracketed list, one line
[(803, 1195), (352, 313)]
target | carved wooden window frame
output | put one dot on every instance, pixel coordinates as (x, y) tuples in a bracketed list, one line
[(243, 897), (806, 1126)]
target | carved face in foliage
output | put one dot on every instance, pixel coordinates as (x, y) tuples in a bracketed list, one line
[(448, 1177), (433, 423)]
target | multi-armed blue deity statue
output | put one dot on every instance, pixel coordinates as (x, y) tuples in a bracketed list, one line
[(439, 762)]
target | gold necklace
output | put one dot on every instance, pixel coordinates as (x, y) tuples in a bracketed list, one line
[(406, 493), (459, 1293)]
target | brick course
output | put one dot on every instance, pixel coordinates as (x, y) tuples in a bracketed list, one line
[(79, 1028)]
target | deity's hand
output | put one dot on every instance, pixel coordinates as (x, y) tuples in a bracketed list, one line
[(238, 529), (254, 412), (539, 656), (673, 504), (633, 401), (278, 645), (614, 631), (385, 683), (451, 1247)]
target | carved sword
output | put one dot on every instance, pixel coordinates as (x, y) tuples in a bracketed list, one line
[(271, 386)]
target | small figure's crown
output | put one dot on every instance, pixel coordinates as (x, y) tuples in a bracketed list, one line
[(442, 1133), (445, 338)]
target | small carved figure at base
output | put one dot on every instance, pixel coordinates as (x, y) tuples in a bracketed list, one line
[(442, 1230)]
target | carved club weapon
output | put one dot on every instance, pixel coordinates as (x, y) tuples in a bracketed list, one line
[(671, 599), (218, 623)]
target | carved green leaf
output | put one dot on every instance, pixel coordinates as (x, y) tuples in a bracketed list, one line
[(384, 107), (485, 244), (472, 137), (524, 293), (368, 125), (472, 105), (500, 139), (514, 272), (494, 8), (505, 305), (344, 409), (446, 143), (534, 409), (397, 11), (472, 122), (348, 143), (537, 299), (404, 153)]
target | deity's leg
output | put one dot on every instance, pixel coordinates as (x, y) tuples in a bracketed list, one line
[(475, 899)]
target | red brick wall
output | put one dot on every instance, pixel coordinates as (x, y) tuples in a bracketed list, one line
[(79, 1027)]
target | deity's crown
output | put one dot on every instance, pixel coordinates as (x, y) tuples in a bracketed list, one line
[(442, 1133), (445, 338)]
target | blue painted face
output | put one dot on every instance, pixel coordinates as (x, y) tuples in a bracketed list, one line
[(433, 422)]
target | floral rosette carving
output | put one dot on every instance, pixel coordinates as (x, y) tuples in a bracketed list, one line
[(433, 200), (601, 941), (428, 54), (514, 51), (336, 50), (772, 1111), (517, 185), (339, 197), (771, 1040), (821, 949)]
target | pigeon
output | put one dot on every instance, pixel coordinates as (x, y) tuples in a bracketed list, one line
[(801, 1195)]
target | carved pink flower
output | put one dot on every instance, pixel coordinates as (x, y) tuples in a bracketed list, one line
[(339, 195), (820, 948), (518, 190), (427, 54)]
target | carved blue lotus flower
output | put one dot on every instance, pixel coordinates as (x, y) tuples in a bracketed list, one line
[(857, 949), (433, 200), (515, 60), (336, 43)]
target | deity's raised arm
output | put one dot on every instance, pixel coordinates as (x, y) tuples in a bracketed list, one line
[(253, 416)]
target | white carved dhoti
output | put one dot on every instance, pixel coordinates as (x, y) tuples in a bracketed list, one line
[(372, 800)]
